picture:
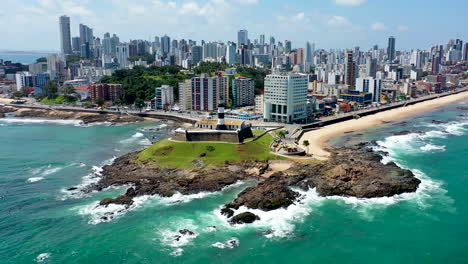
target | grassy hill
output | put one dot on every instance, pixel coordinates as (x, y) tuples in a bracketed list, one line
[(166, 153)]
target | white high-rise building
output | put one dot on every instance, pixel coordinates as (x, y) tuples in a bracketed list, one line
[(308, 57), (164, 96), (370, 85), (285, 97), (185, 95), (65, 36)]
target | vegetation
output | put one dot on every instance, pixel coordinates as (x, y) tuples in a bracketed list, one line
[(99, 101), (140, 82), (182, 154), (62, 99), (210, 67), (256, 74), (51, 89), (18, 94), (144, 57), (70, 59), (41, 59), (306, 144)]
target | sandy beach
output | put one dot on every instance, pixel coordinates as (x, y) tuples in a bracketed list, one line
[(318, 138)]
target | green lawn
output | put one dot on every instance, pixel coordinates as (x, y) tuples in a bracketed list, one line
[(58, 100), (181, 154)]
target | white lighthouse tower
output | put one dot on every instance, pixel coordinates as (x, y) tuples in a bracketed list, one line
[(221, 125)]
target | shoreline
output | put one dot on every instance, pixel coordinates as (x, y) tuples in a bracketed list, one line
[(318, 139)]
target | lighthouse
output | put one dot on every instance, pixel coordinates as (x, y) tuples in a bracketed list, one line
[(221, 125)]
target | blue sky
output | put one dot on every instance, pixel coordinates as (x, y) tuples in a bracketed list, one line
[(33, 24)]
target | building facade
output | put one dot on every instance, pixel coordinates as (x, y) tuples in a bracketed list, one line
[(106, 91), (65, 36), (243, 91), (370, 85), (285, 98), (208, 91), (164, 96)]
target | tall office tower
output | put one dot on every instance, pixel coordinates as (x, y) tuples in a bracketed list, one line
[(350, 70), (436, 60), (371, 67), (65, 37), (262, 39), (197, 54), (114, 42), (165, 45), (285, 97), (210, 51), (107, 45), (465, 52), (76, 44), (122, 53), (86, 35), (243, 91), (231, 53), (308, 57), (391, 53), (375, 47), (287, 46), (272, 41), (242, 37)]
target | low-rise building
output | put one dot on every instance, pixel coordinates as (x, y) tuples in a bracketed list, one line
[(106, 91)]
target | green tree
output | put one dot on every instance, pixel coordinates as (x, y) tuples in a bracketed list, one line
[(68, 90), (99, 101), (281, 134), (139, 103), (306, 144), (41, 59), (51, 89)]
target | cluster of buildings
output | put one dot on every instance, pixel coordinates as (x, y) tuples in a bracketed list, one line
[(305, 81)]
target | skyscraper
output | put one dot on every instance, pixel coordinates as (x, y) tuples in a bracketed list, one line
[(262, 39), (65, 37), (76, 44), (197, 54), (287, 46), (391, 53), (231, 53), (308, 57), (465, 52), (242, 37), (165, 45), (350, 67)]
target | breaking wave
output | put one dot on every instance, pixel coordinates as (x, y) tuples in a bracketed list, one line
[(13, 120), (138, 138)]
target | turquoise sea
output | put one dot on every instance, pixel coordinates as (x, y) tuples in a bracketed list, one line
[(24, 58), (42, 222)]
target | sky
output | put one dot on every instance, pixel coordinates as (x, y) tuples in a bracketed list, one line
[(416, 24)]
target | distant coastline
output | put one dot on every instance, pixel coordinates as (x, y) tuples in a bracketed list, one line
[(23, 57)]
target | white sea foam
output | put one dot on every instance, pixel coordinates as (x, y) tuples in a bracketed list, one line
[(42, 257), (430, 148), (35, 179), (138, 138), (280, 222), (172, 238), (14, 120), (231, 243), (90, 179)]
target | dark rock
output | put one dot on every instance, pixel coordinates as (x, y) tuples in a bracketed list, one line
[(227, 212), (244, 218), (122, 199), (72, 189), (186, 232), (403, 132), (462, 108), (438, 122)]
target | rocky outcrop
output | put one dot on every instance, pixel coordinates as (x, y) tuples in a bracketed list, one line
[(244, 218), (356, 172), (65, 115)]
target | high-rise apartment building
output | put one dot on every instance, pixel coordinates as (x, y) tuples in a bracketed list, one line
[(65, 36), (391, 52), (106, 91), (164, 96), (308, 57), (285, 97), (165, 45), (197, 54), (231, 53), (243, 91), (122, 53), (185, 95), (350, 70), (208, 91), (371, 67)]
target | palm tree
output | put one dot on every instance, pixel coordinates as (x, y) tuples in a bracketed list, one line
[(306, 144)]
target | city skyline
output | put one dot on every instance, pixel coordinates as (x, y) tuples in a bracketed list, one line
[(328, 23)]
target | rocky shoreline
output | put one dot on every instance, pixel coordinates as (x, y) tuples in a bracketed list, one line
[(67, 115), (356, 172)]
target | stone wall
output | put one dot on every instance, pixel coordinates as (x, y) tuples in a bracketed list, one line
[(214, 135)]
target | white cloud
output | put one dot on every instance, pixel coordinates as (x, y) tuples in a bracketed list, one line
[(378, 26), (247, 2), (350, 2), (402, 28)]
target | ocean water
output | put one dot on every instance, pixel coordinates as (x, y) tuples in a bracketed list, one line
[(24, 58), (42, 222)]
